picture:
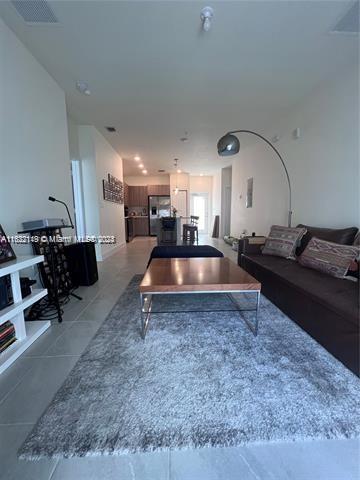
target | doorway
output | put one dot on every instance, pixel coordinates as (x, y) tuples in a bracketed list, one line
[(199, 207), (78, 198), (226, 192)]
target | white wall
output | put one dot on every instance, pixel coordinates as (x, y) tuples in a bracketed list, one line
[(112, 221), (87, 157), (270, 194), (144, 180), (226, 201), (182, 181), (217, 193), (98, 158), (200, 184), (323, 164), (216, 204), (73, 135), (34, 150)]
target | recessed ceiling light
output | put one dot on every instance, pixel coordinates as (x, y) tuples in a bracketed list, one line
[(144, 172), (137, 158), (178, 171), (83, 87), (141, 165), (201, 174)]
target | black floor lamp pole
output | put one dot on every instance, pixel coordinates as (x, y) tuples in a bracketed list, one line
[(230, 145)]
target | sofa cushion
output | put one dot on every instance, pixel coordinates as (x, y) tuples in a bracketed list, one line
[(335, 294), (344, 236)]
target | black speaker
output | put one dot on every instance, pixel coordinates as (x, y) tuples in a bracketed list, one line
[(82, 264)]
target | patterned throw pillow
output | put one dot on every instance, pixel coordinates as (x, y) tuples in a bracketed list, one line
[(328, 257), (283, 241), (354, 270)]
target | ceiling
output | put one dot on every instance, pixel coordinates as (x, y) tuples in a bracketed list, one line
[(154, 74)]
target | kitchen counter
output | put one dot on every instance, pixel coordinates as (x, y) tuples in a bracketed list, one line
[(169, 237)]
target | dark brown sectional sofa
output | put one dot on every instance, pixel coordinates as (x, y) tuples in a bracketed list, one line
[(325, 307)]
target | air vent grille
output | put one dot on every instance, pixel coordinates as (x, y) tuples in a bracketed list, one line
[(349, 23), (35, 11)]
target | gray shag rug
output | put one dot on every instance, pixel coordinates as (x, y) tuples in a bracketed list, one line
[(199, 379)]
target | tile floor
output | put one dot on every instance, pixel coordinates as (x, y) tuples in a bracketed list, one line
[(29, 384)]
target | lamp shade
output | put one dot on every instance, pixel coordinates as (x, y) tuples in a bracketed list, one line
[(228, 145)]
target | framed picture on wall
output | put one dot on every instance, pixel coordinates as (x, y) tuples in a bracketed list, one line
[(113, 189), (6, 251)]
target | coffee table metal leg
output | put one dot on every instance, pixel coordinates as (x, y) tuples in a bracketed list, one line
[(145, 312), (253, 327)]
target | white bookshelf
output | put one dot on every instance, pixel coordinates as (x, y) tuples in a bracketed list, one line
[(26, 332)]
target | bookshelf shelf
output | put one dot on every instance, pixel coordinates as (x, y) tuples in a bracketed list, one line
[(10, 312), (33, 332), (27, 333)]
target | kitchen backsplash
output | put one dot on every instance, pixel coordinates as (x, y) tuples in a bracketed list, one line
[(138, 211)]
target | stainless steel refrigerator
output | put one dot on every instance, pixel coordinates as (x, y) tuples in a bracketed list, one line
[(159, 206)]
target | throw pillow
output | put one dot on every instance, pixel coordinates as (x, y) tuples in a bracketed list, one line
[(357, 240), (282, 241), (328, 257), (354, 271), (345, 236)]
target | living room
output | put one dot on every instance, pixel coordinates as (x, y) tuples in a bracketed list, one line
[(207, 156)]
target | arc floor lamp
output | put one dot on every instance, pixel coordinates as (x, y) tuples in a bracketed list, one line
[(229, 144)]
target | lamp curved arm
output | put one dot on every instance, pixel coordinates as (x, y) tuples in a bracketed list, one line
[(52, 199), (281, 159), (71, 222)]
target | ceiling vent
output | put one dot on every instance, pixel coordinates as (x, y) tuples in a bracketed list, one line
[(35, 12), (349, 23), (161, 171), (111, 129)]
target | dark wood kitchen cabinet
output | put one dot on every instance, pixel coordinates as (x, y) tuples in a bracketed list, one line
[(126, 194), (159, 189), (133, 196), (141, 226), (138, 196), (143, 196)]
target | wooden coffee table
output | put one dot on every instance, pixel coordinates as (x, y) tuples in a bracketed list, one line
[(196, 275)]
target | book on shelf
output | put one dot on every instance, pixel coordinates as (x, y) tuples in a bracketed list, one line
[(7, 344), (5, 329), (7, 335)]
